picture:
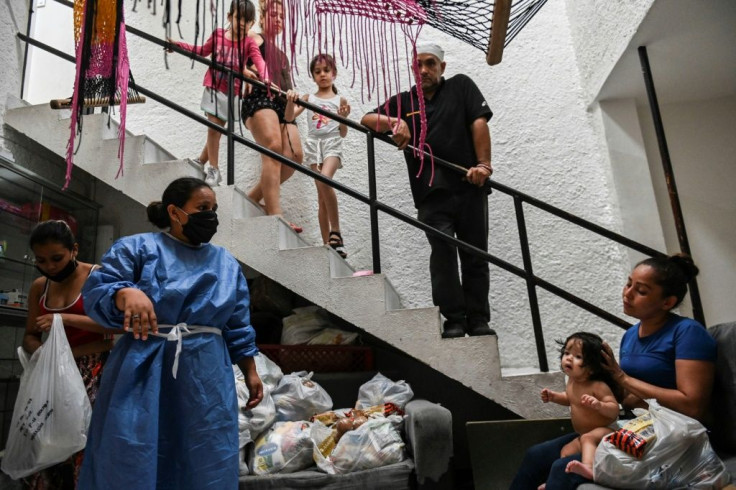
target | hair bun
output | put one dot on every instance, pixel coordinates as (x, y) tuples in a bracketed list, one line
[(686, 265), (157, 214)]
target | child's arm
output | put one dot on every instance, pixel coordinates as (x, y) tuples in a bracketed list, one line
[(203, 50), (290, 110), (344, 111), (557, 397), (257, 59), (298, 109)]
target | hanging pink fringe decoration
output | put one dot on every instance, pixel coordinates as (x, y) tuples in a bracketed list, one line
[(102, 67), (369, 35)]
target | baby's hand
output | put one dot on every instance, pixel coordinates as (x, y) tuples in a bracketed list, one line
[(546, 395), (590, 401)]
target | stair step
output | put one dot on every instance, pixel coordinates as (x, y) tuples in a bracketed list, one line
[(268, 245)]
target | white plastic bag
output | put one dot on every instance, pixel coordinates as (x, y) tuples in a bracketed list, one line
[(253, 422), (380, 390), (52, 411), (269, 372), (681, 457), (297, 397), (375, 443), (284, 448)]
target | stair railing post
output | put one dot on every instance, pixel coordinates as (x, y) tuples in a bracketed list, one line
[(373, 196), (230, 130), (531, 287), (25, 51), (669, 177)]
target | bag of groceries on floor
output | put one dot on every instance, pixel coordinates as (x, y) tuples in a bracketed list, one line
[(679, 457), (52, 410), (381, 389), (375, 443), (284, 448), (297, 397)]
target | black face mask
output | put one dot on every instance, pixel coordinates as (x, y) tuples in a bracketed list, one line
[(201, 226), (67, 271)]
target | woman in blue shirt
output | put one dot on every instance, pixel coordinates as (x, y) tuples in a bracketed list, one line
[(664, 356)]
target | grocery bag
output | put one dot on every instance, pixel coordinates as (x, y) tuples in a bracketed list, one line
[(52, 411), (679, 457)]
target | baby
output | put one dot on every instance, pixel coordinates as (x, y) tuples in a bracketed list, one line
[(589, 394)]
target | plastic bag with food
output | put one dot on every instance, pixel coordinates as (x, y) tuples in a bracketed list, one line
[(381, 389), (377, 442), (297, 397), (284, 448)]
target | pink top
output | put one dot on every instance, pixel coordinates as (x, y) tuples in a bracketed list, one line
[(231, 53)]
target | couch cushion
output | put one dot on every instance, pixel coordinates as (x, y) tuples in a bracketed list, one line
[(396, 476), (723, 403)]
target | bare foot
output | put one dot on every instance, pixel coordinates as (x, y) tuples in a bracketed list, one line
[(584, 470), (542, 486)]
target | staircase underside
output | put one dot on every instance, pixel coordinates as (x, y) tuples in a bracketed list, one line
[(268, 245)]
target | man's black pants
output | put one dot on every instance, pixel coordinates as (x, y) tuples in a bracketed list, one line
[(462, 297)]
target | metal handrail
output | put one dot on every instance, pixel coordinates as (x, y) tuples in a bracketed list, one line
[(375, 205)]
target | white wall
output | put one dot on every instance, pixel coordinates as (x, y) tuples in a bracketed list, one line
[(13, 19), (601, 30), (702, 148), (545, 144)]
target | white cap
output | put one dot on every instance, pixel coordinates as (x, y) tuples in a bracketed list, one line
[(431, 48)]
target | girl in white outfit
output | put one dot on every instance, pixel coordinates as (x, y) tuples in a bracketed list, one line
[(323, 146)]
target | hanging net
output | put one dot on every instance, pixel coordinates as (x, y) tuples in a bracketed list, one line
[(473, 21), (377, 38), (103, 70)]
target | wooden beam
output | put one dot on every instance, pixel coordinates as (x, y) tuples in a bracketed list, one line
[(95, 102), (499, 26)]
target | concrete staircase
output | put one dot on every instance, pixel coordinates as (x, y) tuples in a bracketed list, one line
[(269, 246)]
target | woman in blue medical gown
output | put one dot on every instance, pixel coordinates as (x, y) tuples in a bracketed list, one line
[(166, 415)]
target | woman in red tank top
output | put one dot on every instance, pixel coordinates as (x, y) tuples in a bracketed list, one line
[(59, 291)]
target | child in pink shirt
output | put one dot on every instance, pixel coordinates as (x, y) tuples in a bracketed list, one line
[(232, 48)]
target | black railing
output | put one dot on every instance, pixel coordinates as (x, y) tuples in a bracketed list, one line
[(532, 282)]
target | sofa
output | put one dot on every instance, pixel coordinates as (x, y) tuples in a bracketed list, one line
[(427, 433), (506, 441)]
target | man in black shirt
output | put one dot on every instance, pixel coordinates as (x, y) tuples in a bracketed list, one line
[(456, 131)]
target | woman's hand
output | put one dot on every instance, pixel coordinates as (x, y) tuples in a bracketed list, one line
[(43, 322), (292, 96), (255, 388), (137, 309), (610, 364)]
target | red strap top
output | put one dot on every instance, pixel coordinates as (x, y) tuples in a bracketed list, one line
[(75, 335)]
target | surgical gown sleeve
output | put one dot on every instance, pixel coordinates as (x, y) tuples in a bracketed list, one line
[(120, 266), (239, 335)]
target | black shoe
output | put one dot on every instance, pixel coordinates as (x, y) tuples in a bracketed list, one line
[(453, 330), (480, 328)]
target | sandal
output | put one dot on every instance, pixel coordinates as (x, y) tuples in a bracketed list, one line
[(335, 241)]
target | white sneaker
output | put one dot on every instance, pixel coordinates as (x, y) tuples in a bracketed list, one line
[(211, 175)]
